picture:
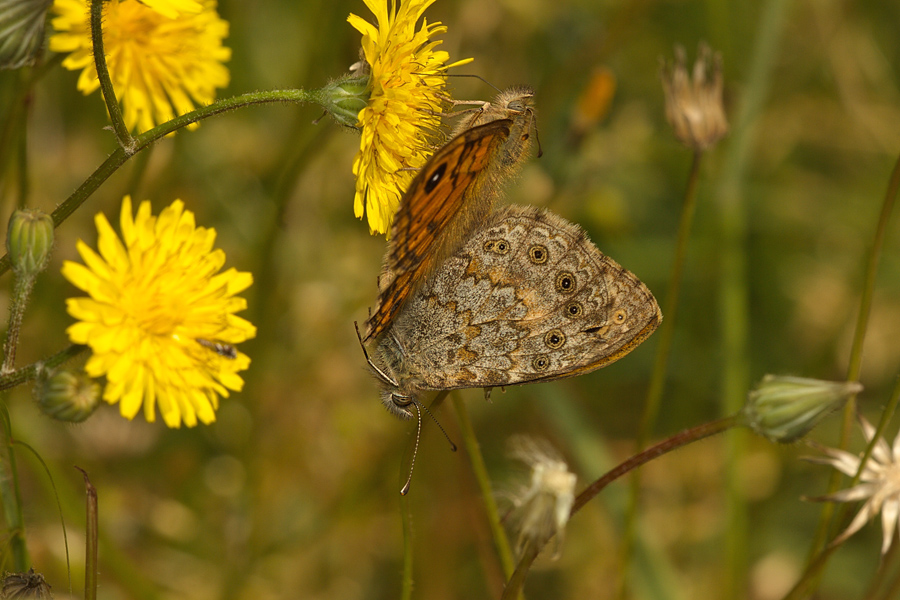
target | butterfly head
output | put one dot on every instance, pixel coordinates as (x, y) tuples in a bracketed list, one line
[(398, 404)]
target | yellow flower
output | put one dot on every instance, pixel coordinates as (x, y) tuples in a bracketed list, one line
[(160, 66), (173, 8), (159, 319), (401, 119)]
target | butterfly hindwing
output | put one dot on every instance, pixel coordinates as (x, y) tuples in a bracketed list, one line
[(528, 298)]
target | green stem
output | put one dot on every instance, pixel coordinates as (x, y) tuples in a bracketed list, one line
[(733, 293), (663, 350), (91, 542), (881, 575), (16, 115), (893, 590), (22, 290), (859, 336), (11, 496), (121, 155), (473, 449), (670, 307), (21, 375), (106, 87)]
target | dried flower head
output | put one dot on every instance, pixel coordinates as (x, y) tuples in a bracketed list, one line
[(541, 508), (879, 484), (406, 91), (694, 103)]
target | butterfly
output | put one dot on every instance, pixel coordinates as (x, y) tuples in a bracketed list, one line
[(476, 297), (456, 189), (527, 298)]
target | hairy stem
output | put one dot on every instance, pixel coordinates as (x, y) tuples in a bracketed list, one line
[(21, 292), (106, 87), (121, 155), (20, 376)]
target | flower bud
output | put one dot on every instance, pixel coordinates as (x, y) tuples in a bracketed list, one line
[(344, 99), (68, 396), (784, 409), (21, 31), (29, 241), (694, 106)]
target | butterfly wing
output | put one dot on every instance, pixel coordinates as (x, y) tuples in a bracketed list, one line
[(528, 298), (435, 214)]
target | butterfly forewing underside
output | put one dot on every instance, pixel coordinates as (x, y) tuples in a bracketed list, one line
[(454, 192), (435, 202)]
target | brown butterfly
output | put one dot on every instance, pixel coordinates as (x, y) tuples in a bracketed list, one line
[(455, 189), (527, 298), (470, 297)]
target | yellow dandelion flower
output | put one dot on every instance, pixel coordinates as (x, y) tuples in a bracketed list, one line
[(407, 82), (159, 319), (173, 8), (161, 66)]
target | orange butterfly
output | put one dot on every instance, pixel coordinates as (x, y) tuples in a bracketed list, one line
[(455, 190)]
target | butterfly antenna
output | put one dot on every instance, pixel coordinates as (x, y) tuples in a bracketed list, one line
[(405, 489), (441, 427), (384, 377), (419, 408), (476, 77)]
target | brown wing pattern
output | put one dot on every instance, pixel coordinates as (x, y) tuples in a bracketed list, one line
[(434, 216)]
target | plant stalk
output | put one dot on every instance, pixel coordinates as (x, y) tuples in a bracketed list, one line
[(106, 87), (473, 449), (663, 351)]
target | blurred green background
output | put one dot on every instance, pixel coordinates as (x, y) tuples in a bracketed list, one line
[(293, 492)]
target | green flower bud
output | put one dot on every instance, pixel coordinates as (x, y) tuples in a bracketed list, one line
[(68, 396), (784, 409), (344, 98), (29, 241), (21, 31)]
